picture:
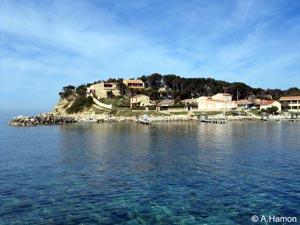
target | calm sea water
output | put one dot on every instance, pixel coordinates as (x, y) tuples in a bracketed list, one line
[(171, 173)]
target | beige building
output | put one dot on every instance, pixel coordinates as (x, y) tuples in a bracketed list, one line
[(222, 97), (134, 84), (165, 104), (220, 101), (189, 101), (290, 103), (265, 104), (245, 103), (100, 89), (139, 100)]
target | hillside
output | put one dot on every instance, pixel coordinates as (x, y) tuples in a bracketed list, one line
[(74, 99)]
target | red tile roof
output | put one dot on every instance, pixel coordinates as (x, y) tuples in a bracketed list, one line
[(266, 102)]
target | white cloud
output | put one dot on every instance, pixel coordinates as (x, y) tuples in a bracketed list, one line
[(64, 42)]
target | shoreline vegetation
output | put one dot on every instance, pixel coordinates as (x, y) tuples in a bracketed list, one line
[(162, 98)]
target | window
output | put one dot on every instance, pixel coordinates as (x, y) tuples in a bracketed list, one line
[(108, 85)]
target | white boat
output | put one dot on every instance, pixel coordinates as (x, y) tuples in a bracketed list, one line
[(144, 119), (89, 120)]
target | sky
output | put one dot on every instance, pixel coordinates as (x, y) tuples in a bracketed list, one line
[(45, 45)]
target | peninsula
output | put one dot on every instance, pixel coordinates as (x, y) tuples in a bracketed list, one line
[(166, 98)]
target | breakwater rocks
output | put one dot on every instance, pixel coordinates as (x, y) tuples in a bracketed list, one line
[(51, 119), (42, 119)]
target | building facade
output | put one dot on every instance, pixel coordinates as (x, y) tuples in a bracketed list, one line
[(290, 103), (139, 100), (245, 103), (133, 86), (165, 104), (222, 97), (218, 102), (100, 89), (266, 104)]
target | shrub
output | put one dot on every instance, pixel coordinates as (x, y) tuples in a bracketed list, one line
[(110, 94), (136, 107), (81, 90), (272, 110), (80, 103), (113, 112), (89, 102)]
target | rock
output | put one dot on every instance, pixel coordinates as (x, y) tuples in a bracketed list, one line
[(42, 119)]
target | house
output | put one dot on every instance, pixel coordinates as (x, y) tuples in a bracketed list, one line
[(139, 100), (265, 104), (100, 89), (133, 86), (245, 103), (222, 97), (220, 101), (189, 101), (165, 104), (290, 103)]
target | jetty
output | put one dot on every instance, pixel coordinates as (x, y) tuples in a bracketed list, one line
[(220, 121), (42, 119)]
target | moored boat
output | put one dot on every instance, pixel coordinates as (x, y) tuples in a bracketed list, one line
[(144, 119)]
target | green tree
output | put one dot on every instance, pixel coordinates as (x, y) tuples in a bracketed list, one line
[(110, 94), (121, 86), (292, 91), (272, 110), (67, 91), (81, 90)]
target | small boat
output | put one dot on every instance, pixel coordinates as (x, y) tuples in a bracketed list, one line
[(264, 116), (144, 119), (89, 120)]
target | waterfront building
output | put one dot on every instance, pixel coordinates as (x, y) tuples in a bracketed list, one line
[(290, 103), (165, 104), (245, 103), (139, 100), (101, 89), (189, 101), (265, 104), (220, 101)]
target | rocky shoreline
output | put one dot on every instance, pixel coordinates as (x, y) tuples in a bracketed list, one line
[(42, 119), (52, 119), (59, 119)]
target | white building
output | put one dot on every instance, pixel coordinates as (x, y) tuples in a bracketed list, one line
[(265, 104), (218, 102)]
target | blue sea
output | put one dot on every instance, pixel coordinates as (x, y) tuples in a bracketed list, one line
[(166, 173)]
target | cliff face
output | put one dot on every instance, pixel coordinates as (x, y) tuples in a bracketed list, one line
[(65, 106), (62, 106)]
